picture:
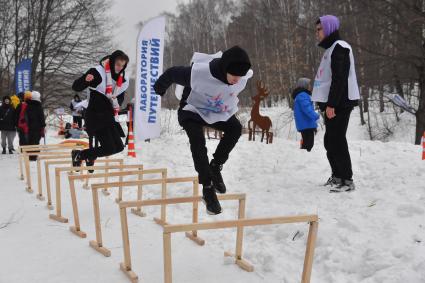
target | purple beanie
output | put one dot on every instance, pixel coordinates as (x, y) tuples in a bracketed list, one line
[(329, 24)]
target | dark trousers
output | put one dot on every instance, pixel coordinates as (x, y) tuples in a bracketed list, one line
[(308, 139), (78, 120), (33, 138), (109, 143), (22, 137), (336, 144), (232, 130)]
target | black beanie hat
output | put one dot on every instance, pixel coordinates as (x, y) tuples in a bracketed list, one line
[(235, 61)]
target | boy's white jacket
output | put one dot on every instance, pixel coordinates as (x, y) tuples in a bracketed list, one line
[(212, 99)]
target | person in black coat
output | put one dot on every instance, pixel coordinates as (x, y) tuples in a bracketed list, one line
[(340, 98), (76, 113), (7, 124), (31, 121), (222, 73), (99, 115)]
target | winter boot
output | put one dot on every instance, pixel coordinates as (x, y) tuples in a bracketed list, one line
[(344, 186), (332, 181), (210, 200), (10, 151), (76, 158), (4, 151), (90, 163), (216, 177)]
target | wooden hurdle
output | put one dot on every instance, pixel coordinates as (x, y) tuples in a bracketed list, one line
[(26, 156), (39, 179), (67, 162), (134, 170), (44, 148), (240, 224), (58, 216), (126, 265), (98, 244)]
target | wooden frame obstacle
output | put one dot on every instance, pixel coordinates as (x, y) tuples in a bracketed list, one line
[(240, 224), (58, 216), (26, 156), (44, 148), (98, 244), (126, 265), (135, 170), (67, 162), (39, 179)]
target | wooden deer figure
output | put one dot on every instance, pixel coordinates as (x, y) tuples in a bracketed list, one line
[(263, 122)]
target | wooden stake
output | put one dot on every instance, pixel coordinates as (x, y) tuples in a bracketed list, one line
[(239, 231), (40, 192), (168, 272), (125, 239), (193, 235), (21, 161), (27, 173), (309, 253), (76, 228), (97, 245), (58, 216), (138, 211)]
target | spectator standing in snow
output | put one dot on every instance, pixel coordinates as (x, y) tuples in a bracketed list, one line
[(304, 114), (337, 93), (7, 124), (76, 111)]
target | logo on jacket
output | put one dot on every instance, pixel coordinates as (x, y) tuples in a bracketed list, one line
[(215, 104)]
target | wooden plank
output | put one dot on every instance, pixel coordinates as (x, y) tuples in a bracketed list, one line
[(76, 229), (27, 173), (96, 210), (240, 223), (153, 202), (125, 239), (49, 194), (309, 253), (39, 182), (113, 174), (163, 217), (143, 182), (168, 273), (21, 161), (239, 230)]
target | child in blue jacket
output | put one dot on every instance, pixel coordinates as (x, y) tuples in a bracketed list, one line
[(305, 116)]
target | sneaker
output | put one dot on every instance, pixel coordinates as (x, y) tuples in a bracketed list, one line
[(90, 163), (210, 200), (345, 186), (4, 151), (216, 177), (332, 181), (76, 159)]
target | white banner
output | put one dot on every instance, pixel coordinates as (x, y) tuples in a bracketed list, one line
[(150, 53)]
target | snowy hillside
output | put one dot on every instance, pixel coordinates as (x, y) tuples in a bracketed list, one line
[(375, 234)]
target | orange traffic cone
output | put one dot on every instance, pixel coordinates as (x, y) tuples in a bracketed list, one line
[(131, 150), (423, 147)]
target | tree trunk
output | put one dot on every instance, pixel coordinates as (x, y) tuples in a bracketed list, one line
[(420, 114)]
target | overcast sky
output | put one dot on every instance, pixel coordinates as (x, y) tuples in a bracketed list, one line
[(130, 12)]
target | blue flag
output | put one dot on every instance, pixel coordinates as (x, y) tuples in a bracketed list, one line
[(23, 76)]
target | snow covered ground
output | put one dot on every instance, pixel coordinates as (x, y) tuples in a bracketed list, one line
[(372, 235)]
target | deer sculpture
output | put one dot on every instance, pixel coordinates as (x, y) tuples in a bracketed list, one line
[(263, 122)]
